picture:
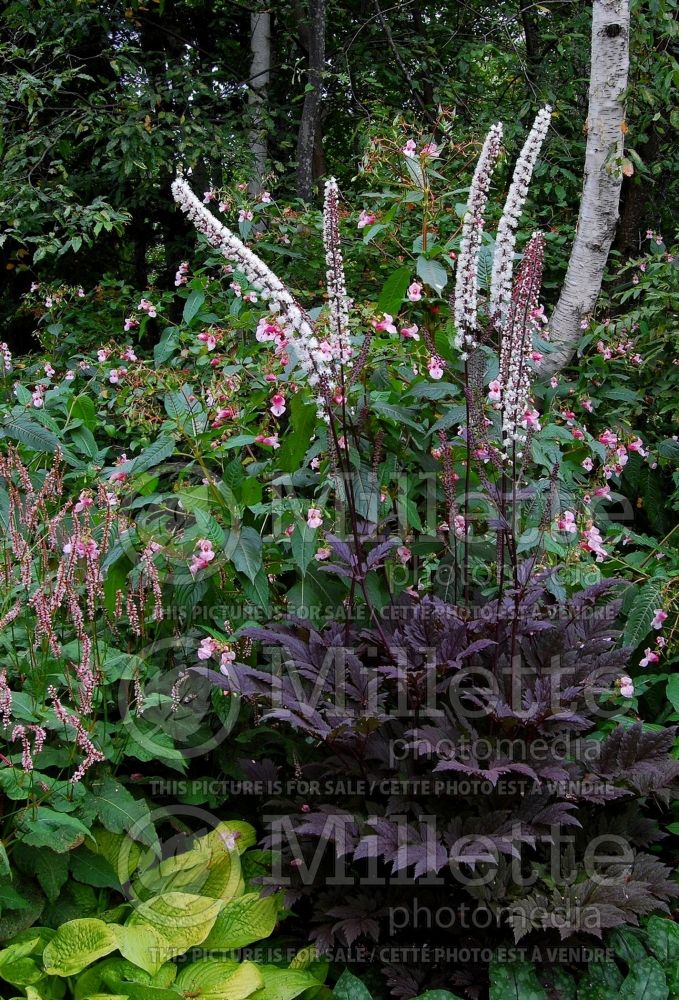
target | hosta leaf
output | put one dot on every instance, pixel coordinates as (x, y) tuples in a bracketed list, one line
[(210, 868), (121, 852), (243, 921), (77, 944), (216, 979), (181, 918), (284, 984), (143, 946)]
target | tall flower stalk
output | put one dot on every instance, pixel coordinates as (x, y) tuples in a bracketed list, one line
[(465, 305)]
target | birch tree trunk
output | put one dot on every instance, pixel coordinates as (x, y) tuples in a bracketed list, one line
[(260, 72), (602, 181), (309, 124)]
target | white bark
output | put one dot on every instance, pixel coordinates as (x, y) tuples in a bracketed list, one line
[(260, 72), (602, 181)]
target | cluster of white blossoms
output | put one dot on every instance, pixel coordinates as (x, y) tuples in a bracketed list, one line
[(313, 358), (466, 279), (503, 258), (339, 340)]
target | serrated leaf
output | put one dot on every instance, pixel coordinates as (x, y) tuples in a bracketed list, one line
[(638, 623), (120, 812), (33, 435), (304, 545), (244, 547)]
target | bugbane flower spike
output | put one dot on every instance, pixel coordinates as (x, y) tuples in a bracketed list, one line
[(519, 417), (503, 258), (466, 292), (289, 315), (339, 340)]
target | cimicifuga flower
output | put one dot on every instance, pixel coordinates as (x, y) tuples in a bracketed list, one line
[(519, 417), (503, 258), (289, 315), (339, 339), (466, 279)]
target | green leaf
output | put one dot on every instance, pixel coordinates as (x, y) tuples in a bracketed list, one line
[(349, 987), (215, 979), (433, 273), (645, 981), (93, 869), (77, 944), (296, 442), (514, 981), (120, 812), (182, 919), (156, 453), (438, 995), (47, 828), (638, 623), (393, 291), (243, 921), (399, 414), (33, 435), (663, 937), (672, 691), (304, 545), (283, 984), (244, 547), (51, 871), (192, 306), (144, 946), (626, 945)]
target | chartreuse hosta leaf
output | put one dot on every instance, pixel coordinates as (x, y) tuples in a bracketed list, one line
[(181, 918), (210, 868), (216, 979), (243, 921), (284, 984), (121, 852), (144, 946), (77, 944)]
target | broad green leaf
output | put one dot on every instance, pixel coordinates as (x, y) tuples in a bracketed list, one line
[(77, 944), (210, 868), (514, 981), (32, 434), (433, 273), (399, 414), (121, 852), (217, 979), (56, 830), (244, 920), (438, 995), (51, 871), (192, 306), (304, 545), (245, 549), (663, 938), (182, 919), (349, 987), (626, 944), (143, 946), (284, 984), (158, 452), (393, 291), (93, 869), (645, 981), (120, 812), (672, 691)]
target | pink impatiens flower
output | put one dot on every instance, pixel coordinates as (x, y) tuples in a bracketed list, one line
[(323, 553), (314, 517), (410, 332), (385, 324), (203, 557), (277, 404), (495, 390), (409, 148), (270, 440), (648, 657), (245, 215), (659, 617), (404, 553), (415, 291), (593, 542), (567, 522), (587, 464), (435, 367), (365, 219), (626, 686), (207, 648)]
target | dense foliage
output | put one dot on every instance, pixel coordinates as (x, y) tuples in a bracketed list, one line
[(338, 643)]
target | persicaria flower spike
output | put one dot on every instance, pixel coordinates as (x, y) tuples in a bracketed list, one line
[(339, 340), (466, 292)]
